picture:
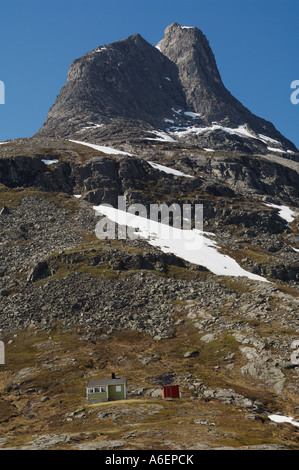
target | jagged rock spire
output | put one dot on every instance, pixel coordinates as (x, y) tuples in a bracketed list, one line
[(205, 92)]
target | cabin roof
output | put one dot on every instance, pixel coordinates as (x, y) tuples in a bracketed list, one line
[(105, 382)]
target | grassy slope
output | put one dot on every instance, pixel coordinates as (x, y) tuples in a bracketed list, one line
[(43, 384)]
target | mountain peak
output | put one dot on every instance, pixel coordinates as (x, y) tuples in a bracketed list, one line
[(190, 35), (175, 27), (189, 49), (131, 83), (127, 80)]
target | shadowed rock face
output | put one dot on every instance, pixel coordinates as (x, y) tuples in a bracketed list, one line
[(129, 79), (131, 84)]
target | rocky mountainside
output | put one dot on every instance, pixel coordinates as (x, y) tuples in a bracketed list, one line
[(157, 126)]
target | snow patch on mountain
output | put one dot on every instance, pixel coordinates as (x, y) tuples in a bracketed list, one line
[(100, 148), (49, 162), (283, 419), (273, 149), (168, 170), (240, 130), (182, 131), (284, 212), (161, 136), (192, 115), (268, 139), (92, 126), (192, 246)]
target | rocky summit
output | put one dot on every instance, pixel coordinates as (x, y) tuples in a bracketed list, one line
[(154, 126)]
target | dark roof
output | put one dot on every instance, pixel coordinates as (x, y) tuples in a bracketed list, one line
[(105, 382)]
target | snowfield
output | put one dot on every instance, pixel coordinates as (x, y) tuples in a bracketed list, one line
[(268, 139), (193, 246), (284, 212), (272, 149), (168, 170), (92, 126), (49, 162), (192, 115), (175, 131), (283, 419), (161, 136), (201, 130), (100, 148), (241, 130)]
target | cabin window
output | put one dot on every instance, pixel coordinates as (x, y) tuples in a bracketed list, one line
[(97, 390), (118, 388)]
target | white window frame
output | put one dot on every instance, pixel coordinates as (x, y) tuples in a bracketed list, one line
[(118, 388), (97, 390)]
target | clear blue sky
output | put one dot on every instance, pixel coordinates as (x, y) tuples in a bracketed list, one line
[(255, 43)]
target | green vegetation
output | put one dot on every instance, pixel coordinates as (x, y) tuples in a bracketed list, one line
[(12, 197), (60, 149)]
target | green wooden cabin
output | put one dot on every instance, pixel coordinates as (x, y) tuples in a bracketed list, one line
[(98, 391)]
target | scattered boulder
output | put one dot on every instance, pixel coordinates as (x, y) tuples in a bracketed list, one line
[(4, 211), (190, 354), (40, 271)]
